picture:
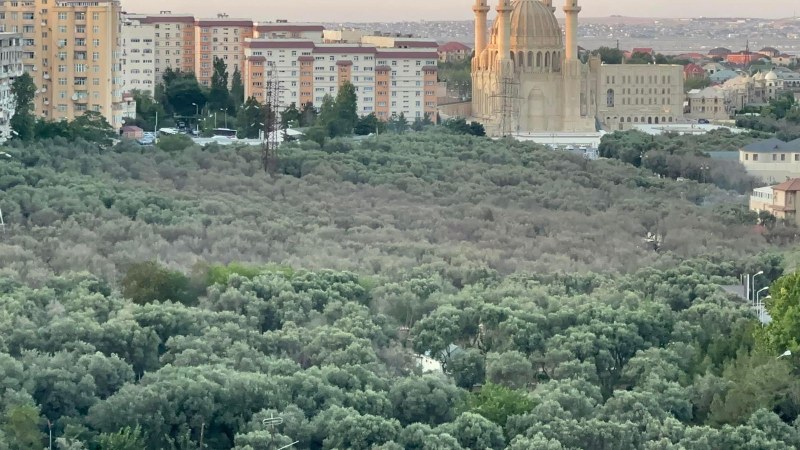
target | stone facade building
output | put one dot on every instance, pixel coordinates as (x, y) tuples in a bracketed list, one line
[(527, 78)]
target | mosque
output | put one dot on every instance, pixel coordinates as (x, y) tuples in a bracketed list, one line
[(527, 77)]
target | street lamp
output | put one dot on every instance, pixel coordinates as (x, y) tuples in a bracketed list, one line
[(751, 286), (758, 294), (197, 117)]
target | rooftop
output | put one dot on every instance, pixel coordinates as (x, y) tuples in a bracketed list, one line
[(792, 185)]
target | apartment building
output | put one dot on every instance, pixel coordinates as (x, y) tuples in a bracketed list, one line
[(780, 200), (223, 38), (72, 50), (10, 69), (138, 53), (388, 80), (286, 30), (174, 41)]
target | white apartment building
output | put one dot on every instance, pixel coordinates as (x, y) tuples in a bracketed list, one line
[(388, 81), (138, 52), (10, 69), (286, 30), (174, 42)]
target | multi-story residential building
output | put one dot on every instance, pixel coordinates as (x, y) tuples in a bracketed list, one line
[(174, 42), (10, 69), (285, 30), (72, 50), (453, 51), (388, 81), (223, 38), (138, 53)]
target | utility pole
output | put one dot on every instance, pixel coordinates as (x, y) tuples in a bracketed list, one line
[(272, 121)]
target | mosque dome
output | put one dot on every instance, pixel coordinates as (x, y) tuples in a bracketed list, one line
[(759, 76), (534, 26), (771, 76)]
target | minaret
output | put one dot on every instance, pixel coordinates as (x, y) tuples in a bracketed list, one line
[(504, 30), (549, 4), (481, 9), (571, 9)]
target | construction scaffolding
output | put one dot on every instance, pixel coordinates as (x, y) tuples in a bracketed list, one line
[(505, 104), (272, 119)]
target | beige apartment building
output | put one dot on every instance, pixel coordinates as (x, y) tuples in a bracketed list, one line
[(772, 160), (72, 50), (222, 38), (388, 80), (174, 41)]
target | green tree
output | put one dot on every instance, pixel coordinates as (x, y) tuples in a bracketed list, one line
[(23, 121), (125, 439), (182, 92), (174, 142), (250, 118), (609, 55), (369, 124), (237, 88), (149, 281), (92, 127), (218, 96), (468, 368), (428, 399), (347, 107), (308, 115), (22, 426), (783, 333), (290, 117), (498, 403), (475, 432)]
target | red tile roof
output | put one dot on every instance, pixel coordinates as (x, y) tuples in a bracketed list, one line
[(792, 185), (646, 50), (225, 23), (453, 47)]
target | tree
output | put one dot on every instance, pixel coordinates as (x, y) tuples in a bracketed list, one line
[(783, 333), (183, 92), (93, 127), (22, 427), (475, 432), (467, 368), (174, 142), (125, 439), (308, 115), (218, 96), (498, 403), (148, 282), (347, 107), (237, 88), (369, 124), (427, 399), (23, 121), (290, 117), (250, 118), (609, 55)]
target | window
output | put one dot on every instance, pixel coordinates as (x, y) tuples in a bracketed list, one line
[(62, 16), (783, 157), (755, 156)]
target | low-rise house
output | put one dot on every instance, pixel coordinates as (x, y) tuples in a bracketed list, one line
[(772, 160), (132, 132), (710, 103), (693, 71), (454, 51), (779, 200)]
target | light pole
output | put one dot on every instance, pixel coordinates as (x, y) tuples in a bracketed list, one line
[(197, 117), (751, 288), (758, 294)]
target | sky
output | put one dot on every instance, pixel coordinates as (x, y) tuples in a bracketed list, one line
[(398, 10)]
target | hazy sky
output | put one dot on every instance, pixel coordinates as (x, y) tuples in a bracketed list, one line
[(396, 10)]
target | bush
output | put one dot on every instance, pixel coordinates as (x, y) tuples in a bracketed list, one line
[(174, 142)]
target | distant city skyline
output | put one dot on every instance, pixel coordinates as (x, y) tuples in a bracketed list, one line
[(414, 10)]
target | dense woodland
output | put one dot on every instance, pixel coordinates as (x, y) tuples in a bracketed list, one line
[(154, 299)]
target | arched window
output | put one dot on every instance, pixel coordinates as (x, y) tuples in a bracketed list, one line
[(629, 119), (530, 59), (635, 120), (513, 59), (547, 59), (610, 98), (656, 120), (539, 59), (521, 59)]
